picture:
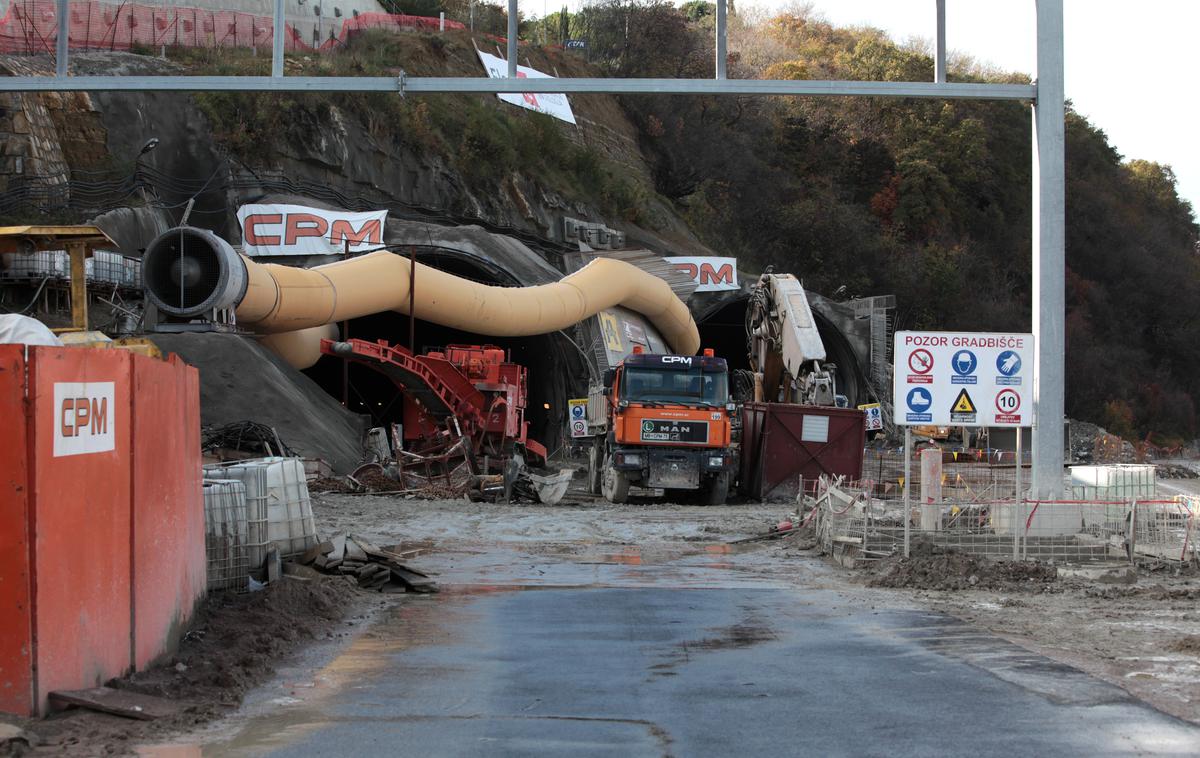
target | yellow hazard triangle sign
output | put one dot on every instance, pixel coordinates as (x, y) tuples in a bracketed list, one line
[(963, 404)]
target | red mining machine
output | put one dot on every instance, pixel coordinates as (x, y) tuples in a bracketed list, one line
[(464, 406)]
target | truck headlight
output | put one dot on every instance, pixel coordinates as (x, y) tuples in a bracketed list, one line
[(629, 459), (716, 461)]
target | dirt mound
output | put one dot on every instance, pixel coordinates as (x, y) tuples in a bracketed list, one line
[(959, 571), (233, 646), (1175, 471), (242, 381)]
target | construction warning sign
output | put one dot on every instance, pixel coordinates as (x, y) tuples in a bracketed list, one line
[(963, 379), (578, 414), (963, 410)]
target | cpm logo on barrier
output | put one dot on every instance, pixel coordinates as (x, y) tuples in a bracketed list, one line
[(84, 418)]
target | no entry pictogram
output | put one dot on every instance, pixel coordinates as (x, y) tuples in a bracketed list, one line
[(920, 362)]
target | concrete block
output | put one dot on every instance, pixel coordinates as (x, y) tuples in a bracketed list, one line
[(1122, 573)]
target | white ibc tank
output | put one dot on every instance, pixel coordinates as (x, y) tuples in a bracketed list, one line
[(1114, 482), (227, 537), (277, 499)]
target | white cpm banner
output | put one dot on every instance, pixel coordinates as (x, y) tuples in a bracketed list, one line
[(711, 274), (299, 230), (552, 104)]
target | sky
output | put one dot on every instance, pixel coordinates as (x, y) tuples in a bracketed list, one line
[(1130, 67)]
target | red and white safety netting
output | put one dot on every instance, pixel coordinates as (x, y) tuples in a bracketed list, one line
[(31, 27)]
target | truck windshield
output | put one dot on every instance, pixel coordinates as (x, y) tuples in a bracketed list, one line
[(649, 385)]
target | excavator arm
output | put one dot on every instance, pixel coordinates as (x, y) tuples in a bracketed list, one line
[(786, 351)]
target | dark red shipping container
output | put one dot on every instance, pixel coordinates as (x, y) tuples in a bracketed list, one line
[(783, 443)]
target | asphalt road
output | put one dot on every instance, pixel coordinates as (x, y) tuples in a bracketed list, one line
[(684, 657)]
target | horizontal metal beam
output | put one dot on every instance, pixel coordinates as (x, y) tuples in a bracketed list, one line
[(418, 85)]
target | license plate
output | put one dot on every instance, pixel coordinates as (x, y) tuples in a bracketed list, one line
[(667, 430)]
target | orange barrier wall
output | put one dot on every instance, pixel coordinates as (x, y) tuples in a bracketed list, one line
[(168, 504), (114, 506), (16, 634)]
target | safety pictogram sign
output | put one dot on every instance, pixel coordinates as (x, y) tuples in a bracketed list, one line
[(578, 414), (1008, 403), (963, 411), (920, 363), (874, 416), (963, 378)]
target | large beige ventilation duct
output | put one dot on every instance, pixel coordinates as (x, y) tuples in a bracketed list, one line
[(186, 268)]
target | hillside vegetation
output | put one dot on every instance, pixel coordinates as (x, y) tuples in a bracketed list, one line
[(925, 199)]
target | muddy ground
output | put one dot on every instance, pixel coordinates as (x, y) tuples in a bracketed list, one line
[(233, 646), (1144, 637)]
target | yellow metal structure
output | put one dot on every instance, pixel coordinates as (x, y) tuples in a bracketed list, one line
[(78, 241)]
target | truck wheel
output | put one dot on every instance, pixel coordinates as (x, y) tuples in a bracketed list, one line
[(718, 489), (615, 484)]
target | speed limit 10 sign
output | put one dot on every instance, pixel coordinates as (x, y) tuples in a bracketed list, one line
[(963, 379)]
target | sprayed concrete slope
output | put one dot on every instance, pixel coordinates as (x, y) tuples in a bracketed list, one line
[(240, 381)]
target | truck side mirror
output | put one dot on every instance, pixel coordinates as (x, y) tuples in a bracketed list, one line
[(608, 376)]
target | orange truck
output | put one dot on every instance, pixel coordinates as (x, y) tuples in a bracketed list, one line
[(663, 422)]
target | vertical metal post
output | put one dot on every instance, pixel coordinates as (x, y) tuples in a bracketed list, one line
[(61, 44), (722, 54), (412, 299), (907, 485), (345, 337), (939, 65), (1132, 529), (512, 39), (1049, 257), (79, 314), (1018, 505), (442, 21), (277, 41)]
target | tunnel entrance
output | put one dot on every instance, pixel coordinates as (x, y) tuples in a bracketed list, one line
[(553, 366), (723, 328)]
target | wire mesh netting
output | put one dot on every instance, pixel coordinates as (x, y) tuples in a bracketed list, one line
[(977, 511)]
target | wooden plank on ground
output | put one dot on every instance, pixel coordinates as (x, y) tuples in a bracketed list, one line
[(118, 702)]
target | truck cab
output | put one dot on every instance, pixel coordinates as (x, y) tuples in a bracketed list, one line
[(667, 425)]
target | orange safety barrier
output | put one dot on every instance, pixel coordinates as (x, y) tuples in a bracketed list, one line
[(31, 27), (107, 485)]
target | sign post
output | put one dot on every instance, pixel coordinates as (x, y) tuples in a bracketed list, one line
[(963, 379)]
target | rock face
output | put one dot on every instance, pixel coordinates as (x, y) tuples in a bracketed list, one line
[(326, 153)]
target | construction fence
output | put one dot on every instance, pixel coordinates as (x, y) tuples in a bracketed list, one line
[(30, 27), (978, 512)]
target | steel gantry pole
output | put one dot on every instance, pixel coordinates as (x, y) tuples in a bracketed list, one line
[(512, 39), (61, 44), (939, 52), (1049, 253), (277, 41), (721, 53)]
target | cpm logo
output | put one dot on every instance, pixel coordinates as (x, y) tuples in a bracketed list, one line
[(289, 228), (84, 418), (685, 360), (710, 274)]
